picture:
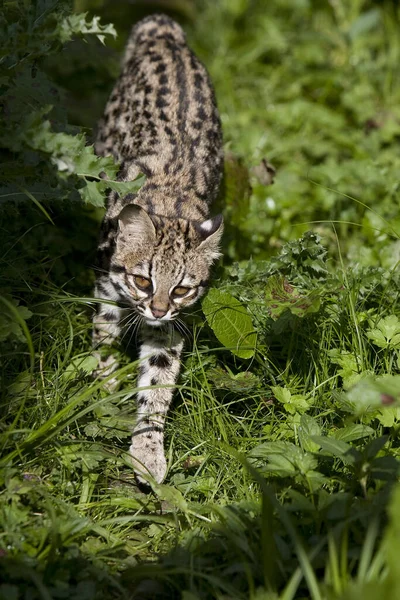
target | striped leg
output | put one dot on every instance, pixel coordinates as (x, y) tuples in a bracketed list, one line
[(105, 330), (159, 366)]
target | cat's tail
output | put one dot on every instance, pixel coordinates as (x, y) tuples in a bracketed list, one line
[(152, 28)]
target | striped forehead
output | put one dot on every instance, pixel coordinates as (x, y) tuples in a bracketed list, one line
[(167, 269)]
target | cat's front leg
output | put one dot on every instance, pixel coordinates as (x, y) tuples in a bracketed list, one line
[(159, 366), (106, 328)]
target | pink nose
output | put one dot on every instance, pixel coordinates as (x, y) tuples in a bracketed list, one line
[(159, 312)]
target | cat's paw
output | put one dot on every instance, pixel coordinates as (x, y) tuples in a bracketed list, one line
[(148, 457)]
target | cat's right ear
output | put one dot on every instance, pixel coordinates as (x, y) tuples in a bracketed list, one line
[(135, 225)]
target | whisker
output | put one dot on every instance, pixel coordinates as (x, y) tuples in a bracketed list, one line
[(100, 270), (183, 329), (133, 330), (128, 326), (138, 326), (127, 318)]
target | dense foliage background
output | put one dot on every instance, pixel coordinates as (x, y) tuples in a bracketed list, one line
[(283, 440)]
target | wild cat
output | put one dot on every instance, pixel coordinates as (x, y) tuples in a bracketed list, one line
[(157, 246)]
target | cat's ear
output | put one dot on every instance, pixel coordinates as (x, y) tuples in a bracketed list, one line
[(135, 225), (210, 233)]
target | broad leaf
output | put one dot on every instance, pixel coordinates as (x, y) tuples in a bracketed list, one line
[(308, 427), (231, 323)]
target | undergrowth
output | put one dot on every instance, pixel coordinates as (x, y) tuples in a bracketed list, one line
[(282, 443)]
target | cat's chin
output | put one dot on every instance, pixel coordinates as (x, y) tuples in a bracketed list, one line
[(155, 322)]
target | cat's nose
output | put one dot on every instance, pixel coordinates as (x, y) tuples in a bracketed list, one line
[(159, 312)]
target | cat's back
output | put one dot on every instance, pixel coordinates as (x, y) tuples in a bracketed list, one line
[(162, 116)]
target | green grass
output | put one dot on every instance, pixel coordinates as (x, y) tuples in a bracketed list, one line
[(283, 466)]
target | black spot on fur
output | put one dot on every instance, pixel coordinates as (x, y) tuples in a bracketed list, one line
[(198, 80), (160, 360), (110, 316), (161, 103), (153, 381)]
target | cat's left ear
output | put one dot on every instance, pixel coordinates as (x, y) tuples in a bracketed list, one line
[(210, 233)]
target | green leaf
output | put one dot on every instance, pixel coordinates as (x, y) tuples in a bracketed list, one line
[(93, 193), (389, 415), (170, 495), (284, 458), (308, 427), (364, 23), (349, 363), (85, 365), (77, 25), (353, 432), (292, 403), (386, 333), (280, 296), (240, 382), (337, 448), (68, 152), (10, 320), (373, 393), (231, 323)]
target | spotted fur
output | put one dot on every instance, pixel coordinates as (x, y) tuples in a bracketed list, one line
[(157, 246)]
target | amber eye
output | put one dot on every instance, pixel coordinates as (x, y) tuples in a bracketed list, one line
[(181, 291), (142, 282)]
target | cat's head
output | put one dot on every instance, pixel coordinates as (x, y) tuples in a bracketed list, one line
[(163, 264)]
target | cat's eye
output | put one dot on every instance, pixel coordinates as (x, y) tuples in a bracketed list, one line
[(142, 282), (181, 291)]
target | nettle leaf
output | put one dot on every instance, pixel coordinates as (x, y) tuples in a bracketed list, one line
[(284, 458), (337, 448), (170, 495), (307, 428), (74, 25), (353, 432), (238, 382), (94, 191), (303, 256), (69, 153), (72, 156), (386, 334), (230, 322), (281, 296)]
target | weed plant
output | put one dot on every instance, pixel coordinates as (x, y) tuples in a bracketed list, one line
[(282, 442)]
